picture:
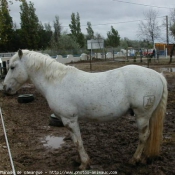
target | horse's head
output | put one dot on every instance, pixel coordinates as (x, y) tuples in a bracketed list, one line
[(17, 75)]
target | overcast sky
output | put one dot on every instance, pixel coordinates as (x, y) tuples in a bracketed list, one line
[(101, 13)]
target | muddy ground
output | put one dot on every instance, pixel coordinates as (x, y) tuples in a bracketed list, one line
[(109, 145)]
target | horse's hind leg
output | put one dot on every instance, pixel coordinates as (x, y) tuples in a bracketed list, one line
[(143, 127), (73, 126)]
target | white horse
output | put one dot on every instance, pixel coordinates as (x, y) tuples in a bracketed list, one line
[(73, 94)]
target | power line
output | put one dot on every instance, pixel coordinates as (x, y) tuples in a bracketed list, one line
[(119, 22), (146, 5), (126, 21)]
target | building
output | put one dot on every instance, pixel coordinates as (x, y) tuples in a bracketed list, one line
[(163, 47)]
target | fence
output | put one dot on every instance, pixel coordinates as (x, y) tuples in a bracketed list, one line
[(71, 58), (4, 61), (4, 66), (9, 54)]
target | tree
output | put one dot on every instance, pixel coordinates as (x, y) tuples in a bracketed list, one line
[(113, 38), (6, 27), (172, 31), (57, 29), (55, 39), (149, 30), (65, 43), (48, 33), (10, 2), (68, 43), (90, 32), (47, 27), (172, 23), (17, 40), (76, 29), (29, 26), (44, 37), (98, 36), (74, 26)]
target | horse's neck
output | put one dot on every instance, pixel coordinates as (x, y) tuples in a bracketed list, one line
[(44, 80), (39, 81)]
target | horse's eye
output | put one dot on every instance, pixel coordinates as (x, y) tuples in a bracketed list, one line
[(12, 67)]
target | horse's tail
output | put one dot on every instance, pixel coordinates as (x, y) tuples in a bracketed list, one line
[(152, 147)]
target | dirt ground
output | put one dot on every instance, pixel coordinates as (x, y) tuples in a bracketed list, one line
[(109, 145)]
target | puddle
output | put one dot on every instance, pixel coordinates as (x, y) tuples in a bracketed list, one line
[(52, 141), (162, 69)]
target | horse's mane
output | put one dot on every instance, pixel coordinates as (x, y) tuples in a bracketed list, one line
[(52, 68)]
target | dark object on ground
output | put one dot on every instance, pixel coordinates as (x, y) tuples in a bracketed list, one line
[(131, 112), (55, 121), (25, 98)]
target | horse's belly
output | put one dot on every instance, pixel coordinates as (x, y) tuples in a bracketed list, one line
[(101, 118), (103, 113)]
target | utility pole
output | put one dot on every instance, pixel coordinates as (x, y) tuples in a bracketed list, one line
[(167, 38)]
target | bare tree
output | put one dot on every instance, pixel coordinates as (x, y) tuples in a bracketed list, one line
[(149, 29), (172, 23), (172, 32)]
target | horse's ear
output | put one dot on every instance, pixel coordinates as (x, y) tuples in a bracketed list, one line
[(20, 53)]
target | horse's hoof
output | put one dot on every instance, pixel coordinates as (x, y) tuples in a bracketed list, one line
[(85, 166), (143, 161), (82, 167), (132, 161)]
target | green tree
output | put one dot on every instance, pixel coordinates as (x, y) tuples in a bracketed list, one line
[(55, 39), (57, 29), (44, 37), (73, 25), (29, 26), (76, 29), (17, 40), (48, 34), (68, 43), (113, 38), (6, 27), (90, 32)]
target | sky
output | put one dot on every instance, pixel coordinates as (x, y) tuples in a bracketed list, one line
[(102, 14)]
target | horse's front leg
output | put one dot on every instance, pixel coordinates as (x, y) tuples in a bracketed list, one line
[(73, 126)]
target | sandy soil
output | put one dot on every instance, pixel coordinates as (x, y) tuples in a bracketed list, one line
[(109, 145)]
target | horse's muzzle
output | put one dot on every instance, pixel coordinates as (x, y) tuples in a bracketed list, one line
[(7, 90)]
